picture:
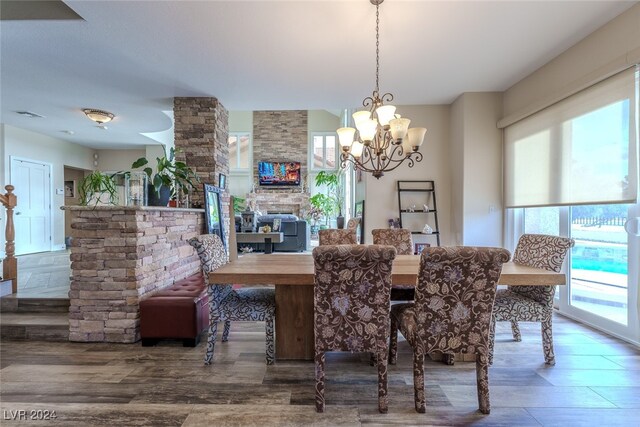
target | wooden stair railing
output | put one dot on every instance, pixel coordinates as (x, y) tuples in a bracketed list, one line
[(10, 263)]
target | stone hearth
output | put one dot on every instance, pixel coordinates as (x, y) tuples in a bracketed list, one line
[(280, 201)]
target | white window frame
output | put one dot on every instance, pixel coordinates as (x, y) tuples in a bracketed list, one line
[(324, 135), (236, 164)]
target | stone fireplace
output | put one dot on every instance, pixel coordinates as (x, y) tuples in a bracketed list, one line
[(279, 201)]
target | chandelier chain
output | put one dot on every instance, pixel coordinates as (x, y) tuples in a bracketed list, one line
[(377, 47)]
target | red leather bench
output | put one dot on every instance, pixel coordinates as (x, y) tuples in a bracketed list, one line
[(180, 311)]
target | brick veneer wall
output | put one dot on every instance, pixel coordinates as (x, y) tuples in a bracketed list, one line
[(201, 134), (120, 254)]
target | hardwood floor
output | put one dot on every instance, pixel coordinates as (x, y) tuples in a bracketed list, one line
[(596, 381)]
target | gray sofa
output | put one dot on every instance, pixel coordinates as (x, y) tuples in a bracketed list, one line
[(297, 233)]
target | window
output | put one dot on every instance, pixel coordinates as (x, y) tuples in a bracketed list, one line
[(324, 151), (239, 149)]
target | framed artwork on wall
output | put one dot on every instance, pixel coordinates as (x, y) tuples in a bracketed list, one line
[(359, 213), (276, 224), (222, 181), (70, 189), (213, 210)]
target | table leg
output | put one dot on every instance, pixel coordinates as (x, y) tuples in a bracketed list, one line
[(268, 246), (294, 322)]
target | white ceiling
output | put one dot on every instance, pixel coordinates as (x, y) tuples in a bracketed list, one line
[(133, 57)]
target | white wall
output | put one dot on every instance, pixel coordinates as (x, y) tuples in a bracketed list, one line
[(37, 147), (381, 202)]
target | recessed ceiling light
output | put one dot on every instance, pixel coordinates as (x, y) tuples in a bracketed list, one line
[(30, 114), (99, 116)]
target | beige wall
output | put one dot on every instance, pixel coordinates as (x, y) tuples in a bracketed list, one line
[(613, 47), (37, 147), (119, 160), (456, 165), (381, 195)]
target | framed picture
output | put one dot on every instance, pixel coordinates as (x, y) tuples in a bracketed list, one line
[(70, 189), (222, 181), (276, 225), (359, 213), (419, 247), (213, 210)]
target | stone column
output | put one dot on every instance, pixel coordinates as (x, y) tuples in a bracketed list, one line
[(202, 141)]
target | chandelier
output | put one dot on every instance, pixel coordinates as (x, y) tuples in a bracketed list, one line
[(384, 140)]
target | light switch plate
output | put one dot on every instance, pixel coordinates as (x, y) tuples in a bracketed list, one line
[(59, 191)]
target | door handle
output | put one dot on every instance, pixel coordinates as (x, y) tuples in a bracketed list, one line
[(627, 226)]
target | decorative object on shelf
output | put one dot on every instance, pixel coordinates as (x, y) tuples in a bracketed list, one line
[(425, 207), (427, 229), (98, 188), (265, 229), (394, 223), (359, 213), (246, 249), (248, 221), (276, 224), (384, 139), (98, 116), (170, 174)]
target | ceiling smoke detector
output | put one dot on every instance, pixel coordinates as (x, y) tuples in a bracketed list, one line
[(98, 116)]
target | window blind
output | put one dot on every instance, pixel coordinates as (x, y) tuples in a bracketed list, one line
[(582, 150)]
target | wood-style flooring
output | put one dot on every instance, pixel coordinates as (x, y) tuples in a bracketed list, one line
[(596, 381)]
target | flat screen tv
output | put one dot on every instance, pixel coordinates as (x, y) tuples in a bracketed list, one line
[(278, 173)]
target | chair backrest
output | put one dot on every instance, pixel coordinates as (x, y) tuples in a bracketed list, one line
[(352, 297), (454, 297), (541, 251), (335, 236), (399, 238), (210, 249)]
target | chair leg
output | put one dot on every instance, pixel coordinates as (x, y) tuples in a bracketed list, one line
[(373, 359), (271, 352), (319, 361), (547, 341), (393, 341), (211, 340), (418, 380), (383, 399), (515, 331), (492, 340), (482, 379), (225, 332)]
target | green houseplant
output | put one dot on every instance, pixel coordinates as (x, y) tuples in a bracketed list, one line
[(98, 188), (335, 188), (171, 176)]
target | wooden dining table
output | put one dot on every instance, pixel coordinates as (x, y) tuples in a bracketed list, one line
[(293, 277)]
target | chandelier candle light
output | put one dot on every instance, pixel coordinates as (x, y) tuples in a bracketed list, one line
[(384, 139)]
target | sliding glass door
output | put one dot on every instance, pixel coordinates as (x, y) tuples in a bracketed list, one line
[(602, 288)]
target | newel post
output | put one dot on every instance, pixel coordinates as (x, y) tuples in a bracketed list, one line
[(10, 263)]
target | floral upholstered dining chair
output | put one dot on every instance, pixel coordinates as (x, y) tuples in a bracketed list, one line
[(228, 304), (399, 238), (351, 307), (532, 303), (334, 236), (452, 311)]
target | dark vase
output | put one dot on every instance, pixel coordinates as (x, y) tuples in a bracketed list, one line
[(340, 222), (153, 199)]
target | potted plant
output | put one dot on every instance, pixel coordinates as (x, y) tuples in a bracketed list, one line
[(98, 188), (170, 178), (335, 187)]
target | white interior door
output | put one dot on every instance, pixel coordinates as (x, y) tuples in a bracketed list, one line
[(32, 182)]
